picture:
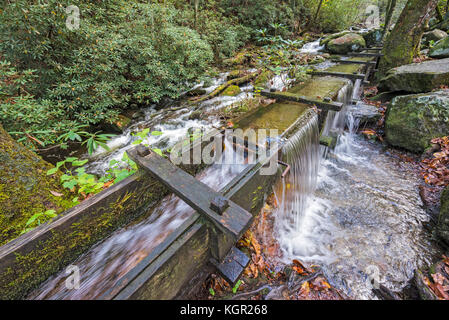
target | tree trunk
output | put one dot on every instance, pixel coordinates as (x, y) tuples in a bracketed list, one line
[(315, 17), (403, 43), (196, 8), (439, 14), (389, 16), (24, 187)]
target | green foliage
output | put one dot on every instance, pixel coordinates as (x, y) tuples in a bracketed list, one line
[(337, 15), (236, 287), (91, 140), (124, 52), (78, 181), (37, 218), (31, 121)]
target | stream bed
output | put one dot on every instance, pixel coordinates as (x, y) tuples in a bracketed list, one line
[(355, 211), (359, 216)]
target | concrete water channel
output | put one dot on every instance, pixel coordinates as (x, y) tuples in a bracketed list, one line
[(205, 239)]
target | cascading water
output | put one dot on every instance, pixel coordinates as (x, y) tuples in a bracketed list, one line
[(364, 221), (102, 266), (302, 151)]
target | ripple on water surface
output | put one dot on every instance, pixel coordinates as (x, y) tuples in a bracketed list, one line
[(364, 221)]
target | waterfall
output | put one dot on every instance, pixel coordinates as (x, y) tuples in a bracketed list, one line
[(295, 193), (301, 152)]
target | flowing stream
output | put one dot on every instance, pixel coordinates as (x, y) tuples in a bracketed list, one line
[(356, 210), (103, 265)]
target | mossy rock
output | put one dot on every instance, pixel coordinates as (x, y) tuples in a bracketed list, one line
[(263, 78), (239, 59), (440, 50), (417, 77), (25, 188), (434, 35), (235, 74), (326, 40), (443, 220), (350, 42), (232, 91), (413, 120)]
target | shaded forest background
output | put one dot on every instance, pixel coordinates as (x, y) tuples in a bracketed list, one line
[(54, 80)]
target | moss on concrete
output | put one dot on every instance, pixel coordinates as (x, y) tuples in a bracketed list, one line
[(24, 188)]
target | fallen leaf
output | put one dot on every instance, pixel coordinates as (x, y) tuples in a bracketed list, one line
[(56, 194)]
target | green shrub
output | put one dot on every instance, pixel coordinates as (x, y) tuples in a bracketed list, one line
[(123, 52)]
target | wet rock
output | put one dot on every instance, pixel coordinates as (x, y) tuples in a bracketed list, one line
[(235, 74), (413, 120), (434, 35), (279, 293), (417, 77), (138, 114), (167, 103), (263, 78), (197, 92), (440, 49), (365, 113), (232, 91), (424, 292), (350, 42), (162, 144), (195, 115), (373, 37), (443, 220)]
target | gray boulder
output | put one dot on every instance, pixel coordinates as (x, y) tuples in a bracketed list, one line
[(365, 114), (417, 77), (412, 121), (440, 49), (434, 35), (350, 42)]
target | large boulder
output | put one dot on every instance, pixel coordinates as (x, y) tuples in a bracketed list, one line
[(324, 41), (417, 77), (373, 38), (440, 49), (350, 42), (413, 120), (443, 220), (434, 35)]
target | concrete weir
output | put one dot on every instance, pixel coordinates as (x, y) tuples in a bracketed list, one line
[(175, 267)]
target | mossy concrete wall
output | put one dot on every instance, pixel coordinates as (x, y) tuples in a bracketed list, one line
[(24, 188)]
